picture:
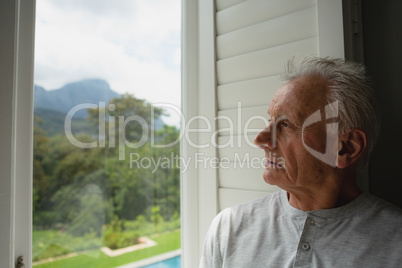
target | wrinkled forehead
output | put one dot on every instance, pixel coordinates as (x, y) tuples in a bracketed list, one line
[(299, 98)]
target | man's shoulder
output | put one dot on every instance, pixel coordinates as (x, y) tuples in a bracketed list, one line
[(246, 217), (384, 209), (271, 199)]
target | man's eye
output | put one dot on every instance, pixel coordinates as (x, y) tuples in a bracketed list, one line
[(283, 124)]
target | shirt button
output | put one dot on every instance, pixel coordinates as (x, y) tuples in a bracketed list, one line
[(306, 246)]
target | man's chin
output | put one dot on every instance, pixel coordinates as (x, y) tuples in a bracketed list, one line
[(269, 178)]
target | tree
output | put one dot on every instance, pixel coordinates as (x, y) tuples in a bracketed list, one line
[(120, 109), (40, 149)]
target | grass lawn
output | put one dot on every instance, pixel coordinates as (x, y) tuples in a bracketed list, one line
[(95, 258)]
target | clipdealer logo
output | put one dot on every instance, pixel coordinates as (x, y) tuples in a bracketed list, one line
[(196, 124), (329, 157), (331, 149)]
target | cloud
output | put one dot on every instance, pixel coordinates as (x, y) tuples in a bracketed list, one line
[(97, 7), (134, 45)]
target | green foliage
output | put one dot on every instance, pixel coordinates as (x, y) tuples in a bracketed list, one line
[(53, 122), (149, 227), (125, 108), (91, 216), (120, 239), (40, 149), (90, 192)]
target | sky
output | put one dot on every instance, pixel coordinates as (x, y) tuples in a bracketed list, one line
[(132, 44)]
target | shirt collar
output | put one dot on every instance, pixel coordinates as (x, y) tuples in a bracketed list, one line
[(360, 204)]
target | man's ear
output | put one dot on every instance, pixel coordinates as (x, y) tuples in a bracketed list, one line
[(351, 146)]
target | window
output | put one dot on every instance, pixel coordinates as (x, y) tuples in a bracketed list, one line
[(106, 183)]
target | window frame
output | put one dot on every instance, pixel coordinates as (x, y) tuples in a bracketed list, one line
[(199, 198), (16, 104)]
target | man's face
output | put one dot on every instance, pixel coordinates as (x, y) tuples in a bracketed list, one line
[(289, 164)]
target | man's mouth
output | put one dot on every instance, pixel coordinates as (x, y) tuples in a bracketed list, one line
[(271, 164)]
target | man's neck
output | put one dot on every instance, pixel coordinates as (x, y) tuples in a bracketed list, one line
[(323, 196)]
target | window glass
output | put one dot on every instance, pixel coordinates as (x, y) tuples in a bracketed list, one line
[(106, 133)]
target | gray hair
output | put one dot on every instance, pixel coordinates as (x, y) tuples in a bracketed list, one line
[(349, 85)]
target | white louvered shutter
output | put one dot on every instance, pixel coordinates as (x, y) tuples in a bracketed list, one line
[(254, 39)]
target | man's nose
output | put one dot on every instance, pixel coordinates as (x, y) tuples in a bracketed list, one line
[(266, 138)]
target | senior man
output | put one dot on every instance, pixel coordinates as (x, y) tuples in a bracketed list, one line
[(324, 123)]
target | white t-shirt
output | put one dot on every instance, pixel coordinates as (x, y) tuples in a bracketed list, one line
[(269, 232)]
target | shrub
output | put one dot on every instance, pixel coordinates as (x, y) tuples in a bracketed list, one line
[(115, 237)]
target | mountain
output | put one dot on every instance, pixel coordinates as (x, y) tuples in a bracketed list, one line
[(52, 122), (72, 94), (52, 106)]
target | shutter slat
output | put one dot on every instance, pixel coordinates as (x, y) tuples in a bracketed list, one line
[(246, 153), (237, 121), (255, 11), (255, 92), (286, 29), (263, 63), (223, 4), (231, 197), (244, 177)]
